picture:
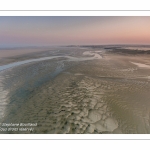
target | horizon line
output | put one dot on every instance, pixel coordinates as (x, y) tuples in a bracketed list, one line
[(38, 46)]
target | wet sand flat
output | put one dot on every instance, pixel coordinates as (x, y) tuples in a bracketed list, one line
[(12, 54), (105, 94)]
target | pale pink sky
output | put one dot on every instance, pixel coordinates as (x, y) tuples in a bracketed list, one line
[(74, 30)]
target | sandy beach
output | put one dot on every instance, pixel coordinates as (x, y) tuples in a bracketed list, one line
[(81, 90)]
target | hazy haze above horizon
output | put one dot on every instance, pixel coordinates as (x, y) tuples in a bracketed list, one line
[(57, 30)]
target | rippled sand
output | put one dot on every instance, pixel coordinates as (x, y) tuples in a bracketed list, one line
[(107, 95)]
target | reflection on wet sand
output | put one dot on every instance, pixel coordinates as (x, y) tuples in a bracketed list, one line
[(96, 56)]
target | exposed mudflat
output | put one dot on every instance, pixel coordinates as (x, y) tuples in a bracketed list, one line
[(83, 90)]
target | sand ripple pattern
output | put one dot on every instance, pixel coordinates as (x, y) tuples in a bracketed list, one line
[(3, 97), (109, 95)]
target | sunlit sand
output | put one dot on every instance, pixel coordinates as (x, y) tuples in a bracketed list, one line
[(141, 65)]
